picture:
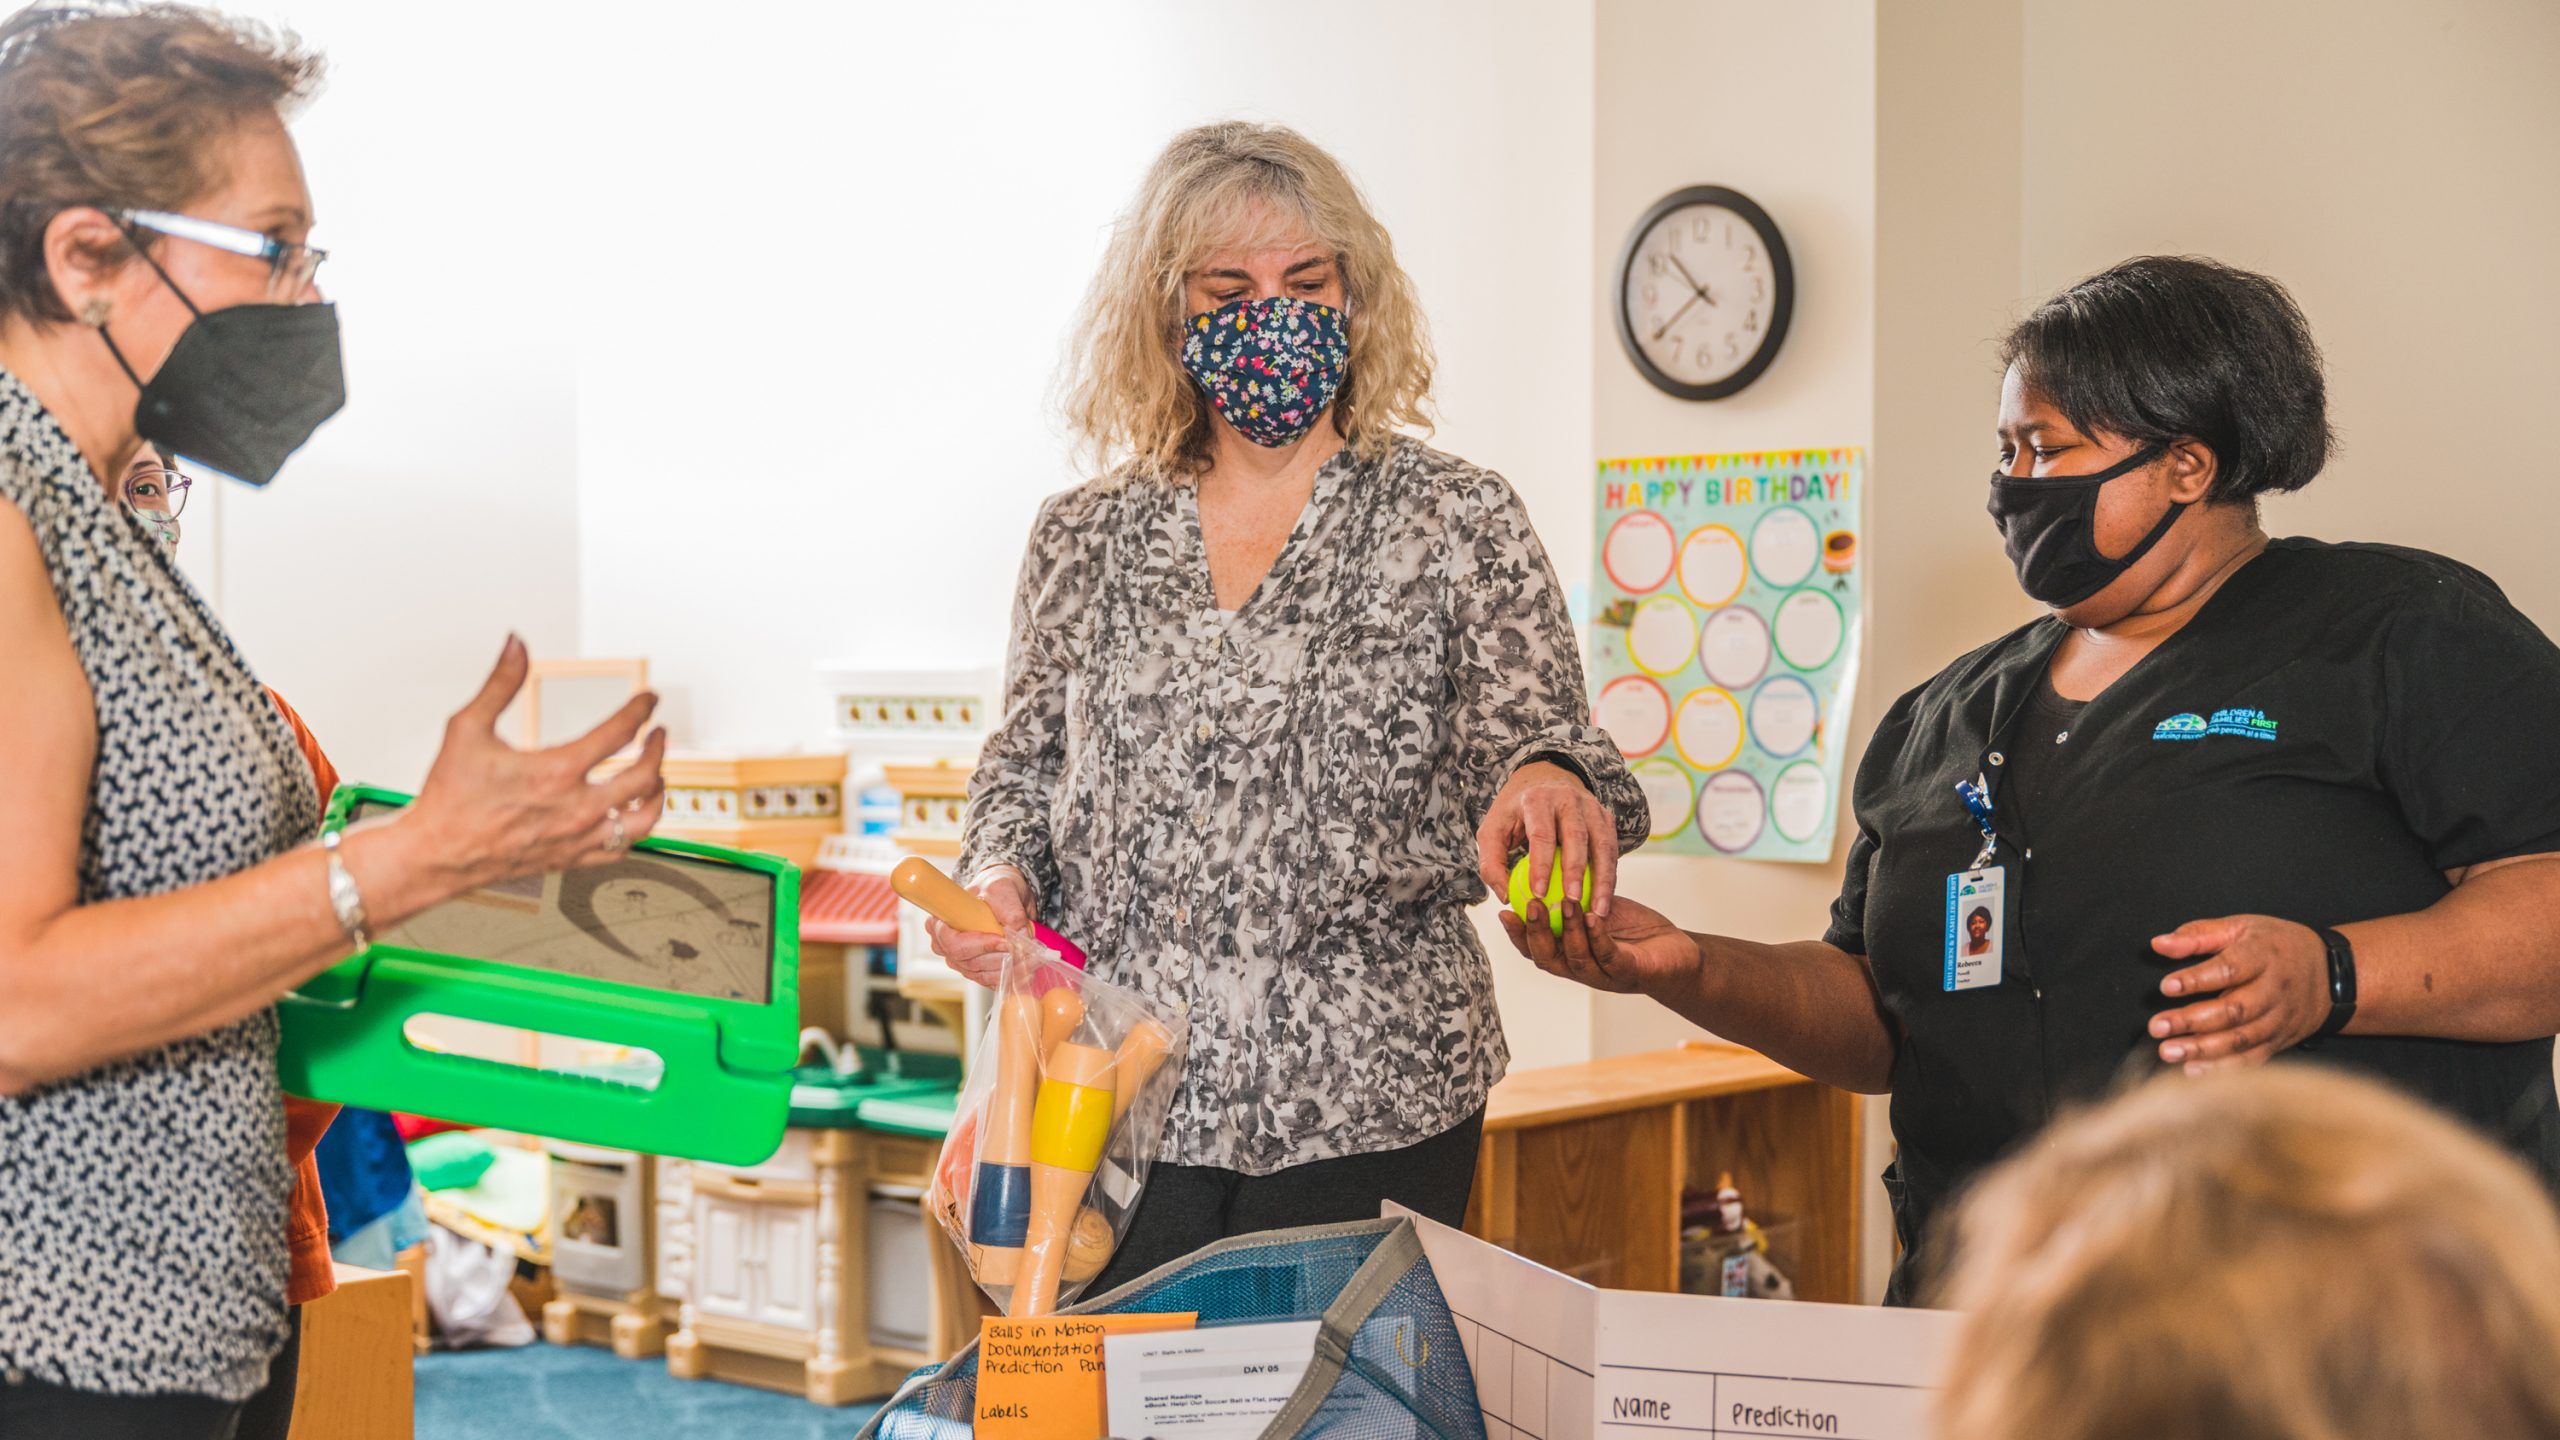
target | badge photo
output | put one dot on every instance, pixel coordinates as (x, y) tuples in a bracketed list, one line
[(1974, 925)]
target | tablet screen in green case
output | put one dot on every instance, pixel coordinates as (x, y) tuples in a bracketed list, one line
[(666, 921)]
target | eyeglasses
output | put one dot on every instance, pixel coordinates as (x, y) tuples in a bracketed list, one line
[(157, 487), (290, 267)]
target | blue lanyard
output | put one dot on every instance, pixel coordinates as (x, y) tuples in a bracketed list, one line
[(1976, 794)]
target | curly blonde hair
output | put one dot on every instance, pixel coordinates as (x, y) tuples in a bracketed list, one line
[(1234, 185), (2281, 1254)]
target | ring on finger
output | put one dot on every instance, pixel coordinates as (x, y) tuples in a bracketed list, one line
[(613, 817)]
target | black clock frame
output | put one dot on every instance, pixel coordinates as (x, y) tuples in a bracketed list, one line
[(1782, 306)]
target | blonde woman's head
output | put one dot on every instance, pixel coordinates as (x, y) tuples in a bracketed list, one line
[(1238, 211), (2279, 1254)]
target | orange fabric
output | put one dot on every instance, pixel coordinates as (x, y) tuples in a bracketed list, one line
[(307, 1235)]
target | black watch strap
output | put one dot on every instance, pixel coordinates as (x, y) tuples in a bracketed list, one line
[(2342, 982), (1562, 760)]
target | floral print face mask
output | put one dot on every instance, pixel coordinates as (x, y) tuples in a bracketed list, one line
[(1269, 367)]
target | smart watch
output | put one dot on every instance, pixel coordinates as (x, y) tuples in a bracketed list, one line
[(2342, 982)]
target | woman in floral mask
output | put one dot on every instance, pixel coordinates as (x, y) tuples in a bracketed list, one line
[(1287, 688)]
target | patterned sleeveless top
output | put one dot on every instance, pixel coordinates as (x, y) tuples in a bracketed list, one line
[(142, 1204)]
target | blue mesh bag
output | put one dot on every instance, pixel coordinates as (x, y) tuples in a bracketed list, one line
[(1388, 1365)]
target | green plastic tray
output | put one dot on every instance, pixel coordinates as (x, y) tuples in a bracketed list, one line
[(724, 1087), (822, 1100), (925, 1112)]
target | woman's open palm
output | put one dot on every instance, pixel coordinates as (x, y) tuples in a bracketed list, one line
[(1635, 951)]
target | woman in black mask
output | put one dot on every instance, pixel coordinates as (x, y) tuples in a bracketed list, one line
[(2232, 799), (156, 284)]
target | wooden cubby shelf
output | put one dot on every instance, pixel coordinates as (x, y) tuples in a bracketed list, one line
[(1583, 1165)]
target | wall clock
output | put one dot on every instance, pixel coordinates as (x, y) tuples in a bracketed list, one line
[(1705, 290)]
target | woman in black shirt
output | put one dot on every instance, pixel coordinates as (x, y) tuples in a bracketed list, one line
[(2234, 798)]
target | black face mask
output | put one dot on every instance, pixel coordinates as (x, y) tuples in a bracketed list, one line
[(243, 388), (2050, 524)]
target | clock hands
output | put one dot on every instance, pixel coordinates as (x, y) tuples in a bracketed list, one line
[(1703, 293), (1665, 327), (1698, 292)]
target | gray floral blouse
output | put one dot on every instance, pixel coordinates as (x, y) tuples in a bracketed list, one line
[(1266, 819)]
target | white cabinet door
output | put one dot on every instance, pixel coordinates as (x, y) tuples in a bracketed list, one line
[(724, 1257), (787, 1266)]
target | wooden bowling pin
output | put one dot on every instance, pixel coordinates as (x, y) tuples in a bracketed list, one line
[(1068, 1126), (1142, 1050), (1000, 1200), (1142, 1053), (1061, 1011)]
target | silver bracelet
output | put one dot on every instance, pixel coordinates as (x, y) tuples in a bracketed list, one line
[(344, 897)]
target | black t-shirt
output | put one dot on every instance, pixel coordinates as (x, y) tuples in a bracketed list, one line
[(2335, 729), (2036, 770)]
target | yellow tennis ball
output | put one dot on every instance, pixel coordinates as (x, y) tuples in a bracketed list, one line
[(1554, 898)]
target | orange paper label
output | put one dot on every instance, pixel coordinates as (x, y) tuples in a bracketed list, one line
[(1041, 1379)]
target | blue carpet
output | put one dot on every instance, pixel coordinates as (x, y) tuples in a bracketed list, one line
[(554, 1392)]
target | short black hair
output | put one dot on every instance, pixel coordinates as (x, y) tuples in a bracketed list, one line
[(2164, 348), (1981, 913)]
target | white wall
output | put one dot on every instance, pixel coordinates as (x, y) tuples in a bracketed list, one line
[(1777, 101), (813, 421), (2398, 167), (373, 582), (1947, 221)]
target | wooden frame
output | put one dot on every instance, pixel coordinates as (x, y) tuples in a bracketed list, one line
[(529, 702)]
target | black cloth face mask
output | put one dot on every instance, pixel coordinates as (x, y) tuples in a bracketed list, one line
[(243, 388), (2050, 526)]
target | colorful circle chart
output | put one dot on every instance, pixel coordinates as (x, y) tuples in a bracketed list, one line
[(1639, 552), (1636, 711), (1785, 716), (1725, 628)]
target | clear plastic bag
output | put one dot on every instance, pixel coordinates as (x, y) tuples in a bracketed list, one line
[(1055, 1130)]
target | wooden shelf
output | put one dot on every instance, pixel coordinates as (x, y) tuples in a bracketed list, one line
[(1583, 1166), (1696, 1071)]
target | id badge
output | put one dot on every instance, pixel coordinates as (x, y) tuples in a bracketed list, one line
[(1974, 923)]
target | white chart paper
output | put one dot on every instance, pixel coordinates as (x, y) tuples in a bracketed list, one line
[(1555, 1359)]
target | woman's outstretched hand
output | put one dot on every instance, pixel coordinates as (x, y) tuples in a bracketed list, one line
[(1635, 951)]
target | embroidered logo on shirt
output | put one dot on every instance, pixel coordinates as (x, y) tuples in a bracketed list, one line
[(2245, 723)]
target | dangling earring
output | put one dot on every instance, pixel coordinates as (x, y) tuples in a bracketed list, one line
[(94, 314)]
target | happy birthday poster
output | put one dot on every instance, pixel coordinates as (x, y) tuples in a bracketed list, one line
[(1725, 621)]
